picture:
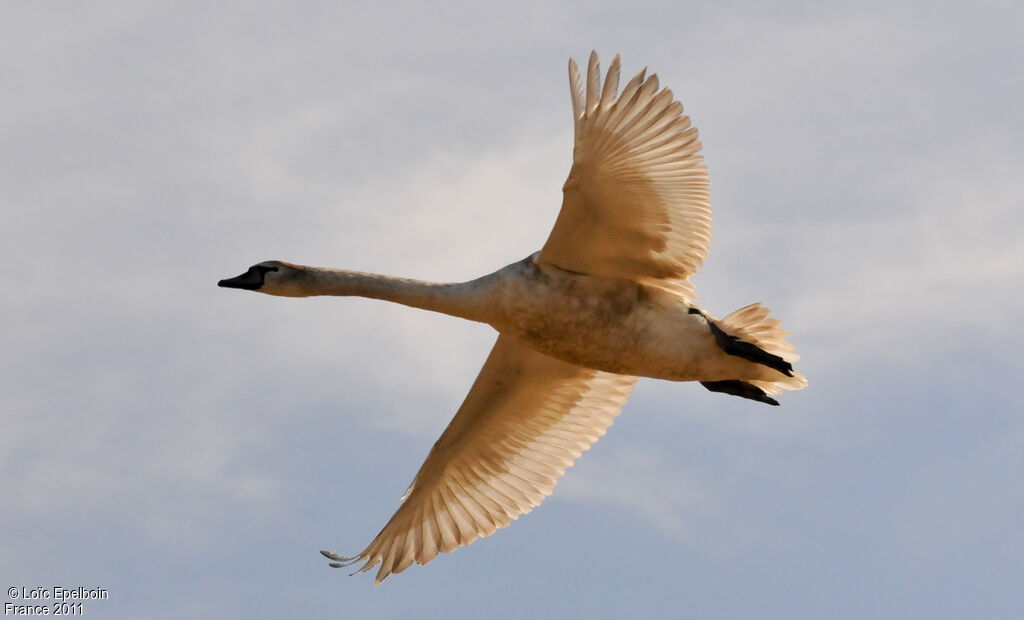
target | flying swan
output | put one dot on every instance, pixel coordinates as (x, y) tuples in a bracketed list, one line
[(606, 300)]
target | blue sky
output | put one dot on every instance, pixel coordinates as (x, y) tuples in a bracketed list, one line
[(190, 448)]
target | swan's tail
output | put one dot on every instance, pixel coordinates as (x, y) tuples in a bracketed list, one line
[(754, 325)]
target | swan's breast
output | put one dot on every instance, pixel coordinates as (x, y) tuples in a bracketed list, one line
[(613, 325)]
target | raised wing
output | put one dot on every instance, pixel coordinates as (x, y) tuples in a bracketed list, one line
[(525, 420), (636, 204)]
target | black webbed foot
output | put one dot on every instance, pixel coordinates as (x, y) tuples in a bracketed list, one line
[(734, 346), (740, 388)]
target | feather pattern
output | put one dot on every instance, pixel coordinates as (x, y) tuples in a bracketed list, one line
[(635, 215), (525, 420), (754, 324), (636, 204)]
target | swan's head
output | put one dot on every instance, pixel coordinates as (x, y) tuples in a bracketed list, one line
[(272, 277)]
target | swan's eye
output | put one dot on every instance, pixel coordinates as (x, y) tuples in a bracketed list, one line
[(263, 269)]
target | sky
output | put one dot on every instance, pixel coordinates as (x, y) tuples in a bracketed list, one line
[(189, 448)]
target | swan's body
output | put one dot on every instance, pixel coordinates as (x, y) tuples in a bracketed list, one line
[(607, 299)]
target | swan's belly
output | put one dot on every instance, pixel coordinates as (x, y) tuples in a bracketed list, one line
[(612, 325)]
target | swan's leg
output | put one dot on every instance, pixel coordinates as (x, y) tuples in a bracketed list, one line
[(734, 346), (740, 388)]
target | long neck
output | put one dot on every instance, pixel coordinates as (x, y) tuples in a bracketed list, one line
[(458, 299)]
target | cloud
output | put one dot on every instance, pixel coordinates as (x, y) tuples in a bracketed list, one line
[(864, 176), (671, 500)]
